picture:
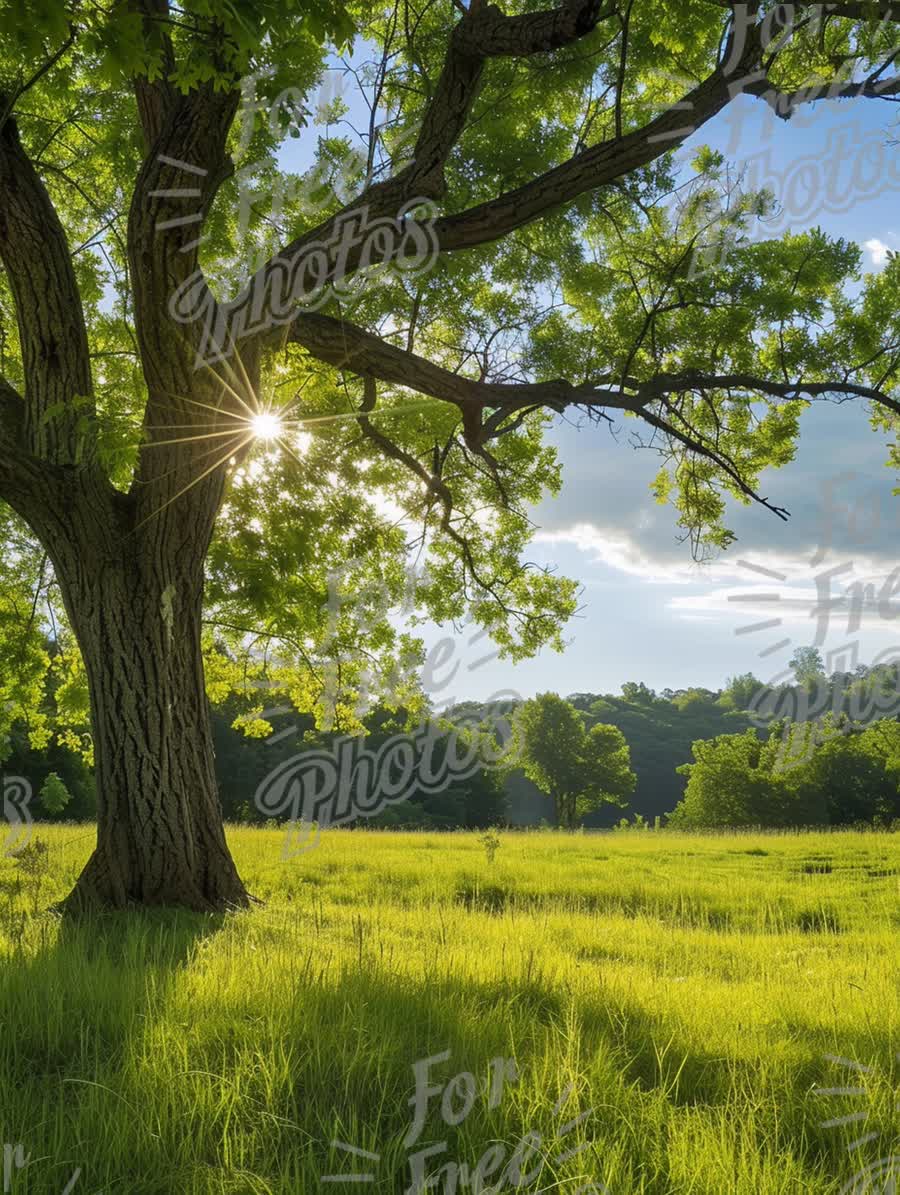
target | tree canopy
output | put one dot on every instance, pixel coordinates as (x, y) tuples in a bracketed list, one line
[(563, 280), (838, 776)]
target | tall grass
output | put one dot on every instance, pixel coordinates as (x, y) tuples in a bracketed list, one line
[(684, 992)]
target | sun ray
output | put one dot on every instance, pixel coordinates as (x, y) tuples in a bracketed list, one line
[(230, 431), (240, 361), (197, 403), (287, 448), (342, 416), (198, 457), (227, 386), (246, 380), (177, 427), (195, 481)]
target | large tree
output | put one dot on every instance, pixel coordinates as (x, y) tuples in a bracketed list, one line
[(160, 487)]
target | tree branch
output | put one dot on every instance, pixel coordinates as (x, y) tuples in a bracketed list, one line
[(52, 331), (486, 405), (30, 485), (593, 168), (436, 486), (785, 103), (346, 346), (666, 383), (487, 32), (173, 192), (11, 101), (177, 485), (482, 33)]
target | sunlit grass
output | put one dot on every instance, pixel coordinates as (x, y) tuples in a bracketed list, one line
[(688, 989)]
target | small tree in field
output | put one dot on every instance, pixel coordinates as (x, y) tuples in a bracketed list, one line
[(579, 769), (54, 796)]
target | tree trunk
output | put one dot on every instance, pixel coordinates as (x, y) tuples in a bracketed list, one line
[(565, 811), (130, 565), (137, 617)]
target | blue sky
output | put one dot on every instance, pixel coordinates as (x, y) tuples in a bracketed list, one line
[(648, 613)]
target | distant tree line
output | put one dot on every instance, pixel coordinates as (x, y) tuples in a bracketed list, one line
[(818, 750), (811, 730)]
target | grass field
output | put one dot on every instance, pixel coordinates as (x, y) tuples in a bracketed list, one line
[(670, 1004)]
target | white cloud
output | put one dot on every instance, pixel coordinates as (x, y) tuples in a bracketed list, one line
[(672, 565), (878, 250), (849, 593), (618, 550)]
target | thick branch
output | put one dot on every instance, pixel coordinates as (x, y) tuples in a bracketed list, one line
[(482, 33), (173, 192), (485, 405), (347, 346), (178, 485), (593, 168), (485, 32), (34, 487), (35, 252), (494, 35)]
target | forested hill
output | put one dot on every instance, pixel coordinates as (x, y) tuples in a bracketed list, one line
[(660, 733), (659, 728)]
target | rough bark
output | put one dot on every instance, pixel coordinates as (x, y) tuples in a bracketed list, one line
[(136, 611), (130, 566)]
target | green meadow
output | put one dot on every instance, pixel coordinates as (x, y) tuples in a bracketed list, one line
[(632, 1012)]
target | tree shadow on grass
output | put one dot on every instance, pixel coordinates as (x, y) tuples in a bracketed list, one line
[(131, 1050), (260, 1081), (72, 997)]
